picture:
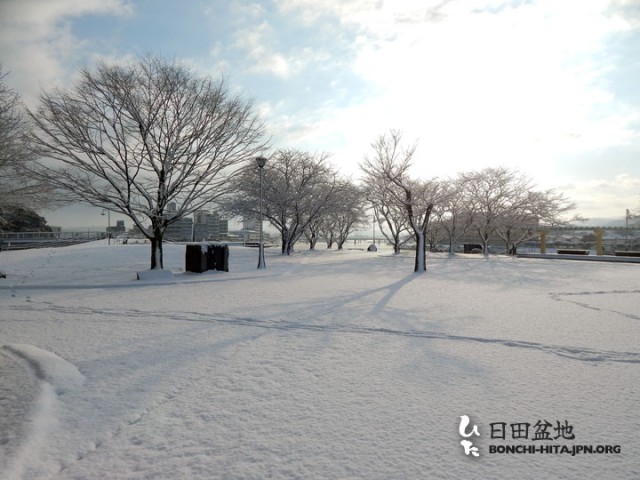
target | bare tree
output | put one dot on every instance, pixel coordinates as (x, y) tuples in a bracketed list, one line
[(389, 214), (436, 233), (389, 169), (18, 190), (151, 140), (504, 203), (298, 187), (532, 211), (490, 195), (345, 213), (453, 213), (314, 231)]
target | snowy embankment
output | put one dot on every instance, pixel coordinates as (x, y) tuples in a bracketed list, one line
[(325, 365), (26, 430)]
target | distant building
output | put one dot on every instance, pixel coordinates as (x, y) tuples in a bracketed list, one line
[(203, 226), (180, 231), (250, 230), (209, 226), (119, 229)]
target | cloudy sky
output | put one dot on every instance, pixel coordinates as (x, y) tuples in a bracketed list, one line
[(548, 87)]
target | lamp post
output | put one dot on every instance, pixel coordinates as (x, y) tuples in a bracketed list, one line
[(261, 161), (626, 229), (108, 225), (372, 247), (374, 229)]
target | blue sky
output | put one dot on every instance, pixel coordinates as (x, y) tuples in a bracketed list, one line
[(548, 87)]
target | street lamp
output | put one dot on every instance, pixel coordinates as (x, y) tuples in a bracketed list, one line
[(372, 247), (626, 229), (261, 161), (108, 225)]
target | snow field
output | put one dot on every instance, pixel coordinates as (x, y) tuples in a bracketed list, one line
[(325, 365)]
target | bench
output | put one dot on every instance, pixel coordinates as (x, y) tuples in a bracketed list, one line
[(627, 254), (572, 251)]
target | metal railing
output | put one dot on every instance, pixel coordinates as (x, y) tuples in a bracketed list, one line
[(26, 240)]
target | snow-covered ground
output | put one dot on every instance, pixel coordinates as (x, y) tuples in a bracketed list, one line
[(326, 365)]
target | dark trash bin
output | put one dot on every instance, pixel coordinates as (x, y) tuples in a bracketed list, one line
[(196, 258), (218, 257), (201, 257)]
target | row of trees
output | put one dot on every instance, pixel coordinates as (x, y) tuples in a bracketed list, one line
[(487, 203), (303, 195), (134, 139)]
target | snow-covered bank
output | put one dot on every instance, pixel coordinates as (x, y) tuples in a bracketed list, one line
[(327, 364), (31, 409)]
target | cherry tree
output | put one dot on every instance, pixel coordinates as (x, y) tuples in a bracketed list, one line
[(506, 204), (345, 213), (453, 213), (388, 169), (298, 188), (388, 214), (151, 140)]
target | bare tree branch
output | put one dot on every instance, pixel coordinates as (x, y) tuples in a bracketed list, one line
[(388, 171), (298, 187), (18, 189), (137, 138)]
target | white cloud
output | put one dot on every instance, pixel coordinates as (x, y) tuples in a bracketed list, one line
[(255, 40), (605, 198), (477, 82), (36, 40), (488, 83), (45, 13)]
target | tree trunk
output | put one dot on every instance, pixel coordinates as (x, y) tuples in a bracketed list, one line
[(396, 243), (284, 235), (421, 236), (289, 248), (312, 241), (510, 244), (156, 249), (484, 239), (451, 252), (421, 261)]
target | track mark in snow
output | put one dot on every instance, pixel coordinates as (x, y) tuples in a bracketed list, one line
[(108, 436), (55, 376), (574, 353), (48, 367), (568, 297)]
